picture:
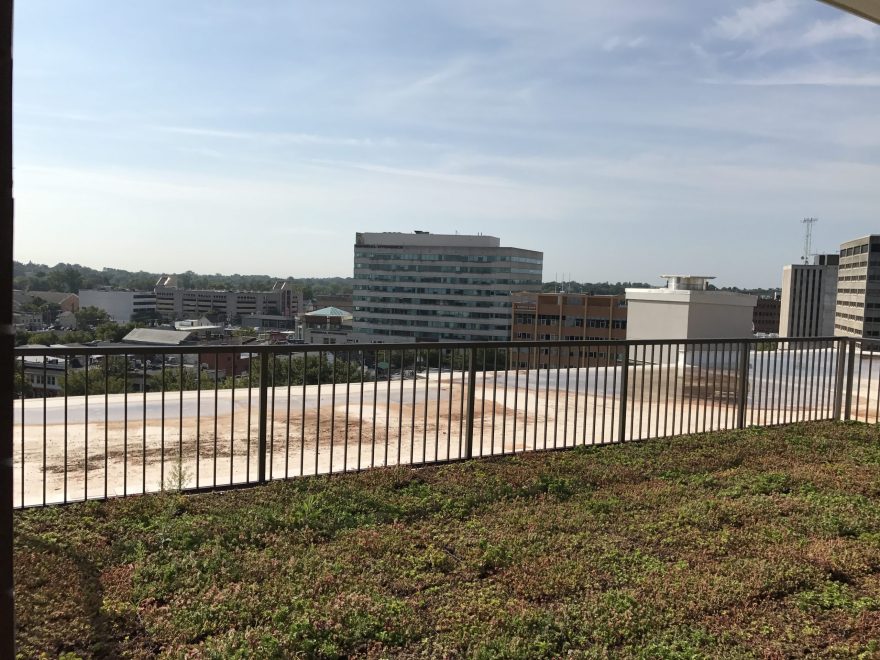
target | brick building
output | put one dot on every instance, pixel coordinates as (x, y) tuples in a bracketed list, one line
[(566, 317)]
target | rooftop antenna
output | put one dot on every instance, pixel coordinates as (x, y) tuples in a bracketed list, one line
[(808, 237)]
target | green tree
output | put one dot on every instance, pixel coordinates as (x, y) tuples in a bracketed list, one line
[(91, 317), (21, 386)]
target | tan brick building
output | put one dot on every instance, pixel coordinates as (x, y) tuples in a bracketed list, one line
[(566, 317)]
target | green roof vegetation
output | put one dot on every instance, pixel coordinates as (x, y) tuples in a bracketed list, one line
[(757, 543)]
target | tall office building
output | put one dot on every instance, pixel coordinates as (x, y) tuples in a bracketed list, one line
[(858, 288), (435, 287), (808, 295)]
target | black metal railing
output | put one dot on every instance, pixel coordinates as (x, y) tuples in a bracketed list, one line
[(93, 423)]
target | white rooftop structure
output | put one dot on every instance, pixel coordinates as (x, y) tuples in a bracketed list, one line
[(686, 309), (687, 282)]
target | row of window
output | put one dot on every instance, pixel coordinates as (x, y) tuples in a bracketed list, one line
[(438, 302), (426, 256), (572, 354), (360, 289), (553, 321), (856, 331), (418, 323), (37, 379), (434, 336), (365, 313), (860, 319), (482, 270), (860, 249), (474, 281)]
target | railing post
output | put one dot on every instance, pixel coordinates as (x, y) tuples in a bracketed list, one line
[(471, 397), (7, 338), (263, 419), (742, 385), (838, 377), (850, 367), (624, 386)]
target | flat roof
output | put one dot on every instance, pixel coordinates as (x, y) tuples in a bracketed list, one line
[(156, 336)]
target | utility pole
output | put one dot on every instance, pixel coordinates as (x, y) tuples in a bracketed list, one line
[(808, 238)]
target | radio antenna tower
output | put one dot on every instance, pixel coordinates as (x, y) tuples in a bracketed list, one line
[(808, 238)]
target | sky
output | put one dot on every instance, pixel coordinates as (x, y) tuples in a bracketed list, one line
[(622, 139)]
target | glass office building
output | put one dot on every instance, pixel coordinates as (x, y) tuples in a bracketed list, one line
[(435, 287)]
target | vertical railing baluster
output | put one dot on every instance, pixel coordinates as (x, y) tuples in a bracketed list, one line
[(302, 422), (850, 368), (86, 434), (742, 385), (287, 421), (624, 386), (261, 420), (235, 355), (318, 414), (162, 431), (471, 398), (66, 373)]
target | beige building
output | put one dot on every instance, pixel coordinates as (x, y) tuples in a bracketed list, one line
[(173, 303), (809, 293), (857, 313)]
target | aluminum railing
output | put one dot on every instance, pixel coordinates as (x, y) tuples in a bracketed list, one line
[(93, 423)]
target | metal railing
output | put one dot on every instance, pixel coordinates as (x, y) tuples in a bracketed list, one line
[(93, 423)]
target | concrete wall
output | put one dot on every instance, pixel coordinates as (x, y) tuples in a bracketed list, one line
[(719, 321), (656, 319)]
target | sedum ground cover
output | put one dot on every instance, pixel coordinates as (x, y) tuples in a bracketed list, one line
[(746, 544)]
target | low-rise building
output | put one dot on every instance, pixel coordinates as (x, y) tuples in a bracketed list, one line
[(340, 301), (262, 322), (121, 306), (174, 303), (566, 317), (68, 302), (765, 318), (329, 325)]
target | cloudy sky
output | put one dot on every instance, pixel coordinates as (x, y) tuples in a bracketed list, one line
[(623, 139)]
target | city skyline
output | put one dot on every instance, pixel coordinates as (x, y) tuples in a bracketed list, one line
[(690, 138)]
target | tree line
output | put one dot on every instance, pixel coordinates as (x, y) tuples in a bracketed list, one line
[(73, 277)]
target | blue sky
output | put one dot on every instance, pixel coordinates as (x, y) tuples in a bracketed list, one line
[(623, 139)]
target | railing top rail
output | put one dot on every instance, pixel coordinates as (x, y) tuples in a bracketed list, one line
[(154, 349)]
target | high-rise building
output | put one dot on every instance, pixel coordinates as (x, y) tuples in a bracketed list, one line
[(857, 313), (435, 287), (566, 317), (808, 295)]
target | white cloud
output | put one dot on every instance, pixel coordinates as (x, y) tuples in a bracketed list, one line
[(617, 42), (279, 137), (845, 27), (753, 21), (813, 76)]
